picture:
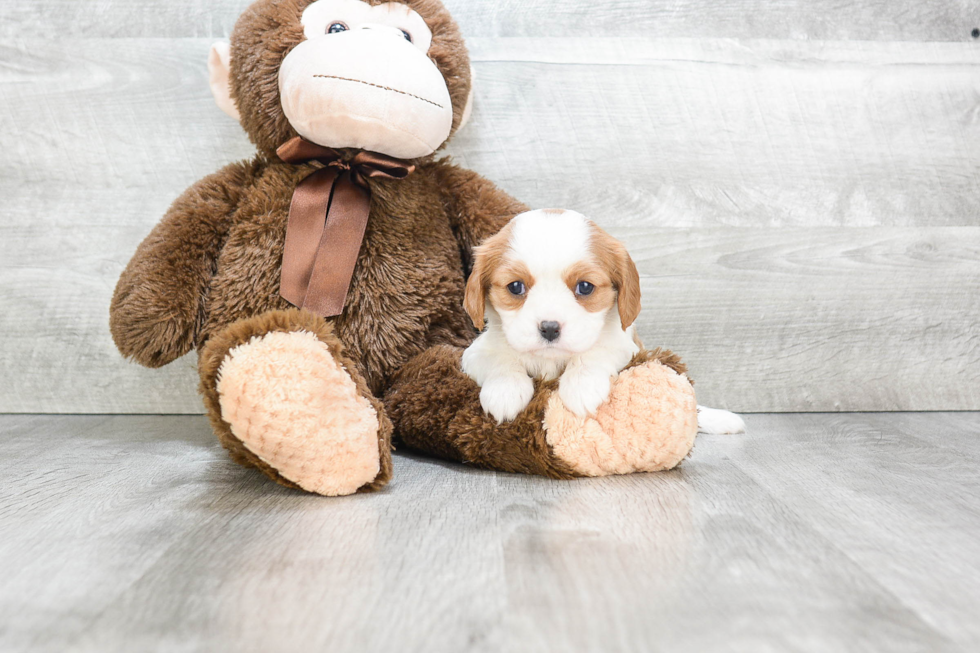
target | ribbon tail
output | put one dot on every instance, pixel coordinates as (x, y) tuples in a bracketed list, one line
[(327, 220), (304, 231), (340, 244)]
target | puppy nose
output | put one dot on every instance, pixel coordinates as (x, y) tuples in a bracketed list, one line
[(550, 330)]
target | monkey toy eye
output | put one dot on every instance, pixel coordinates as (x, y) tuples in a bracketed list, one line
[(584, 288), (336, 28), (408, 37), (516, 288)]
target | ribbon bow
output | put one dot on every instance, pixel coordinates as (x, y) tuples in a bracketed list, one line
[(327, 218)]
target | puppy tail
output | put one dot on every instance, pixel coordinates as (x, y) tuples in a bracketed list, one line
[(713, 421)]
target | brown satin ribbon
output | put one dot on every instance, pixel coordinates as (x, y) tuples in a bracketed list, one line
[(327, 218)]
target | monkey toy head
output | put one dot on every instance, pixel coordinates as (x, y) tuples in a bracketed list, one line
[(388, 77)]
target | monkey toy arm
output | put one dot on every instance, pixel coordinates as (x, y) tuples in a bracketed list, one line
[(477, 208), (156, 309)]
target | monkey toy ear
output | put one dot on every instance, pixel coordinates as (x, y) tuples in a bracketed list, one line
[(468, 109), (219, 73)]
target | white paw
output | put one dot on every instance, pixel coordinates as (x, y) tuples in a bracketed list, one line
[(583, 393), (506, 396), (719, 422)]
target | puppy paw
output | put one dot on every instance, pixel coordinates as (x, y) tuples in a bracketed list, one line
[(713, 421), (583, 393), (506, 396)]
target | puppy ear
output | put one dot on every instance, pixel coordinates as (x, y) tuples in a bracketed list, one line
[(486, 259), (629, 289), (622, 271), (468, 108), (219, 74), (474, 302)]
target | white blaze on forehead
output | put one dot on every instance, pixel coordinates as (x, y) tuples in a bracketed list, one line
[(548, 241), (356, 15)]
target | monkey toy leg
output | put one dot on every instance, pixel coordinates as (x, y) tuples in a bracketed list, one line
[(282, 397), (647, 424)]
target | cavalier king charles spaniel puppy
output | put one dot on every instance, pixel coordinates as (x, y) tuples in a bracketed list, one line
[(559, 297)]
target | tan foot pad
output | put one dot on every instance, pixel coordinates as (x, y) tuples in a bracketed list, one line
[(297, 409), (648, 424)]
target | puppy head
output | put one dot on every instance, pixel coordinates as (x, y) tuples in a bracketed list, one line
[(552, 279)]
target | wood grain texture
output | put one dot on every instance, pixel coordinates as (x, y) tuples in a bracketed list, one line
[(695, 133), (818, 319), (676, 133), (815, 319), (905, 538), (645, 135), (858, 20), (809, 533), (943, 430)]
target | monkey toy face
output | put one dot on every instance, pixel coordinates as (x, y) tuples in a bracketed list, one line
[(362, 78), (387, 77)]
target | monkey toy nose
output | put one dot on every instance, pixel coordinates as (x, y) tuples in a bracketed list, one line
[(550, 330)]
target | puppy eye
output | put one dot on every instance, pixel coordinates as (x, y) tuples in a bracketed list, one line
[(336, 28), (408, 37), (584, 288), (516, 288)]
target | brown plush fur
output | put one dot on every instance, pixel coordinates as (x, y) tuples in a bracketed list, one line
[(201, 270), (435, 408), (158, 307)]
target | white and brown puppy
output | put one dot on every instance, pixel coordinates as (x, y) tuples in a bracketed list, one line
[(559, 297)]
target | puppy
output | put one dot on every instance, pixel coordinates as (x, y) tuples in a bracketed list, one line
[(559, 297)]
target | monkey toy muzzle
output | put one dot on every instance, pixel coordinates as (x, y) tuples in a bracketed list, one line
[(368, 89)]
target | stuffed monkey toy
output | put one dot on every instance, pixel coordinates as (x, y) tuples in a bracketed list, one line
[(322, 282)]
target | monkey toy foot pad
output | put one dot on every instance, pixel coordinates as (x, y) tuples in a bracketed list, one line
[(647, 424), (290, 402)]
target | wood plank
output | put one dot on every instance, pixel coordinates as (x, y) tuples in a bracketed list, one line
[(861, 20), (817, 319), (809, 533), (888, 498), (295, 572), (102, 134), (694, 133), (681, 561), (89, 504), (813, 319), (956, 432), (740, 134)]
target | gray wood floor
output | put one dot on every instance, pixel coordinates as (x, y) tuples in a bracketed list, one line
[(812, 532)]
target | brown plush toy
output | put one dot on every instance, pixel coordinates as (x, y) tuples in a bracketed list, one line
[(322, 282)]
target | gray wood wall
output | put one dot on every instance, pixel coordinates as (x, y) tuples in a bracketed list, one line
[(799, 181)]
